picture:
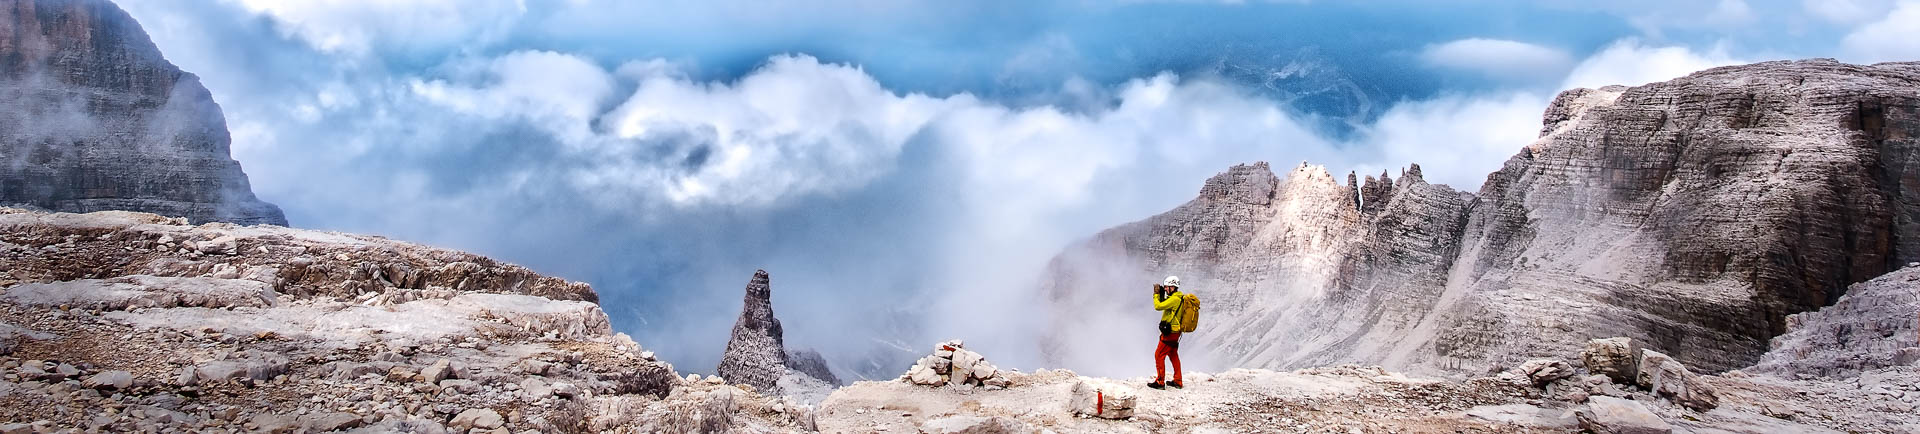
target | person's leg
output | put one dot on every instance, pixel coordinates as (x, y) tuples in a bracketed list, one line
[(1159, 364), (1174, 354)]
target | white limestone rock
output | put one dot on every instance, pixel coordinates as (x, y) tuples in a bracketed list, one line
[(1669, 379), (1609, 415), (1102, 398)]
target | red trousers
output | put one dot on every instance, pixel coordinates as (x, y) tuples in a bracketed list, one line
[(1169, 349)]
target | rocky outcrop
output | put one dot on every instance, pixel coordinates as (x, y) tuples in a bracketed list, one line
[(108, 311), (953, 364), (1692, 216), (756, 353), (93, 118), (1876, 325), (120, 246), (811, 363), (1362, 263)]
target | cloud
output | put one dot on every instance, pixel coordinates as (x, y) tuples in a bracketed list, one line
[(1892, 38), (1730, 14), (1498, 58), (1629, 62), (1456, 139), (561, 92), (360, 27), (1847, 11), (792, 128)]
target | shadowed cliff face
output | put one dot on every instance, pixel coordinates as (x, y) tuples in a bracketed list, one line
[(1693, 215), (94, 118)]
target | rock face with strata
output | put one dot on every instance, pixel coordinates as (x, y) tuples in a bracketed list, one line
[(94, 118), (756, 353), (1876, 325), (1692, 216)]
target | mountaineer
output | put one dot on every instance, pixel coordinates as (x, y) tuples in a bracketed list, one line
[(1180, 312)]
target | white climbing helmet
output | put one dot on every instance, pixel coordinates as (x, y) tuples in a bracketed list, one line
[(1173, 281)]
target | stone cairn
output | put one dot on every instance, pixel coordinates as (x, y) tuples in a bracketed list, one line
[(952, 363)]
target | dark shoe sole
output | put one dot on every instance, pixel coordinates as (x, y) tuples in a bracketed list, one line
[(1177, 385), (1156, 385)]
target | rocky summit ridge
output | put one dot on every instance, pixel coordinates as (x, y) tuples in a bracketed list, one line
[(1694, 215), (93, 118)]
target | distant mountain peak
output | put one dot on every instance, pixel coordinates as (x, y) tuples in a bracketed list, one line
[(1692, 215), (93, 118)]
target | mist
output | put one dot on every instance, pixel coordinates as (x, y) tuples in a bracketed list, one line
[(898, 195)]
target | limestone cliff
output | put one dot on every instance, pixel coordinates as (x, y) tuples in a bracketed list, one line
[(93, 118), (1693, 215), (1876, 325)]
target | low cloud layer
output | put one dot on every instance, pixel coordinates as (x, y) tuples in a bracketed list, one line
[(1498, 58)]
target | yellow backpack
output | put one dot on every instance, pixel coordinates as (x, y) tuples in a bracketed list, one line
[(1189, 316)]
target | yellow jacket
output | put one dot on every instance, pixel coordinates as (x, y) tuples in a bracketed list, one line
[(1169, 308)]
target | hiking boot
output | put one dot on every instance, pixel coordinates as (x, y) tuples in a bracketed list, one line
[(1156, 385), (1176, 384)]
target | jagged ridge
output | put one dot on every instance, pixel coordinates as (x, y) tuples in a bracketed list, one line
[(1693, 215)]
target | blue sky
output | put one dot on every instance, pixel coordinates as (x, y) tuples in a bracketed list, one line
[(894, 164)]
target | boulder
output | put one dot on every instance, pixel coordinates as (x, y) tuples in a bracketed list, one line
[(330, 421), (220, 371), (1542, 371), (348, 371), (33, 370), (401, 374), (1526, 415), (1616, 358), (273, 423), (476, 418), (925, 376), (940, 364), (459, 385), (983, 370), (1102, 398), (1609, 415), (1671, 380), (974, 425), (1601, 385), (536, 388), (110, 380), (439, 370), (224, 245), (963, 361)]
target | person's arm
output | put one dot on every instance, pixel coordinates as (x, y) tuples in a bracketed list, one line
[(1168, 303)]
